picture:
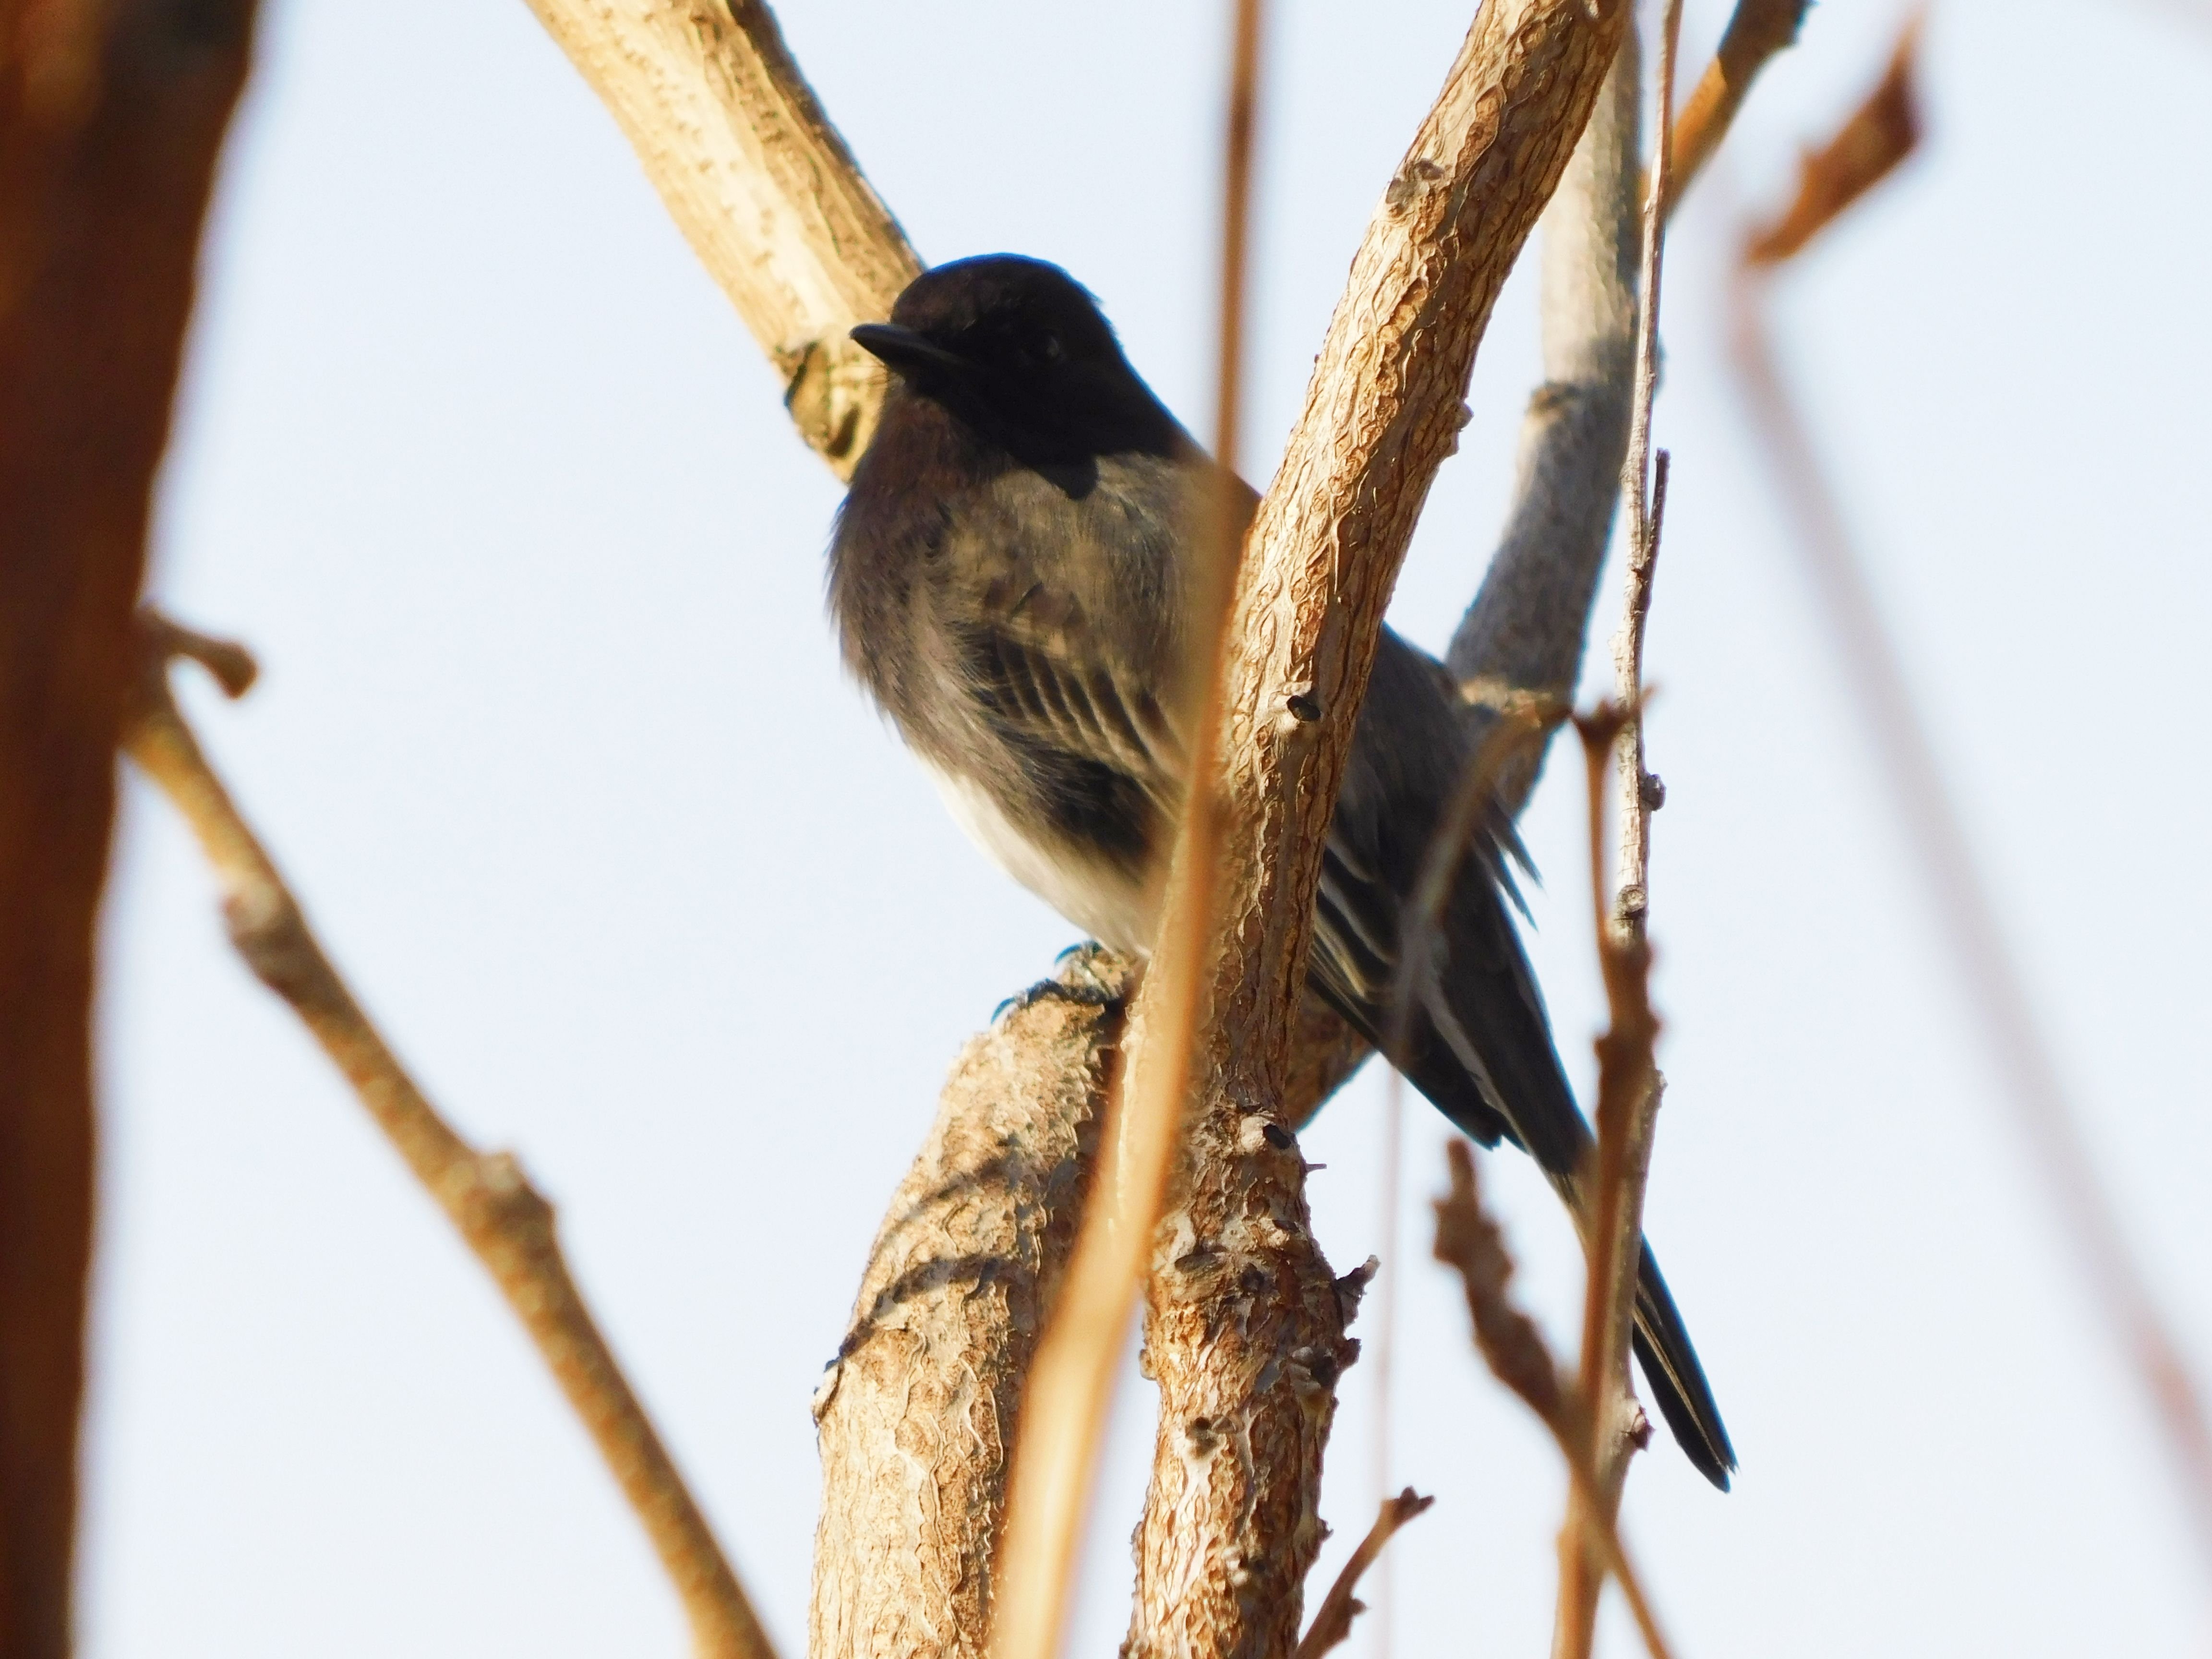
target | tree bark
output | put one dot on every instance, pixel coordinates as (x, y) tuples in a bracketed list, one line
[(110, 119), (1245, 1324), (760, 184), (917, 1413)]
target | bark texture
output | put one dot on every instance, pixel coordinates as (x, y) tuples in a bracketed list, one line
[(110, 119), (760, 184), (917, 1413), (1245, 1323)]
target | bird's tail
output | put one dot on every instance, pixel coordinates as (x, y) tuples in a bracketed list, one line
[(1677, 1382)]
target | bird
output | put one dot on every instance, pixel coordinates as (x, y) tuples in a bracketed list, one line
[(1011, 577)]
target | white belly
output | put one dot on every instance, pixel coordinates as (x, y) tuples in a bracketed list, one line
[(1094, 896)]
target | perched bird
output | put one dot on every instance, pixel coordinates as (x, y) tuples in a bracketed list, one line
[(1011, 577)]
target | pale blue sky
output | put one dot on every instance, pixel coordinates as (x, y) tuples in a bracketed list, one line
[(553, 739)]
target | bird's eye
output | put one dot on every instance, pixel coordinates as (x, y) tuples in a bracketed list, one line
[(1052, 351)]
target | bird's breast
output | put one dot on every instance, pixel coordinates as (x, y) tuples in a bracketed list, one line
[(1098, 895)]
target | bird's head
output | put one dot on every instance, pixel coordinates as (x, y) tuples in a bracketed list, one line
[(1019, 349)]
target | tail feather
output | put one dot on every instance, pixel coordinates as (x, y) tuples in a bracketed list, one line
[(1675, 1378)]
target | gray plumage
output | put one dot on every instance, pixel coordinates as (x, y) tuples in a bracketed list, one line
[(1009, 579)]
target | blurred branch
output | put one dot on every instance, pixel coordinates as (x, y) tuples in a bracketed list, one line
[(1871, 144), (1469, 1242), (762, 186), (1881, 133), (1070, 1386), (112, 122), (1757, 31), (1332, 1623), (504, 1220)]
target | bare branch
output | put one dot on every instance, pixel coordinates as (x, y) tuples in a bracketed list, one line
[(1757, 31), (112, 115), (1880, 134), (1522, 636), (504, 1220), (1071, 1380), (761, 185), (1957, 891), (918, 1413), (1629, 1083), (1244, 1332), (1332, 1623), (1468, 1241)]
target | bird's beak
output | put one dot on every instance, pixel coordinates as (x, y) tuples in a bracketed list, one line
[(905, 352)]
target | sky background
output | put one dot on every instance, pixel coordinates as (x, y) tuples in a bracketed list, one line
[(553, 740)]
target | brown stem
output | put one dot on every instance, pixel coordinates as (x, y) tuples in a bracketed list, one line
[(1629, 1084), (112, 116), (1469, 1242), (1757, 30), (1870, 145), (1244, 1332), (503, 1219), (1332, 1621)]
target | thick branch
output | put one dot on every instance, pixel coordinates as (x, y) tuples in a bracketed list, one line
[(502, 1217), (1245, 1326), (112, 120), (761, 185), (918, 1411)]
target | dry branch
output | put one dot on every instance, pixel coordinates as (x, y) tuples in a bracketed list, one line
[(1629, 1083), (1871, 144), (1244, 1331), (1071, 1384), (760, 184), (1332, 1623), (112, 119), (504, 1220), (1880, 134), (1757, 30), (1469, 1242), (917, 1412)]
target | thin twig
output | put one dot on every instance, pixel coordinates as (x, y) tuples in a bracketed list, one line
[(1628, 1081), (1332, 1622), (1071, 1383), (1960, 896), (1757, 31), (1880, 134), (504, 1220), (1469, 1242)]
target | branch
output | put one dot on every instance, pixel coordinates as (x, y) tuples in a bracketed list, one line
[(112, 120), (1244, 1330), (1332, 1624), (917, 1413), (760, 184), (1872, 143), (1756, 31), (504, 1220), (1522, 637), (1469, 1242), (1629, 1083)]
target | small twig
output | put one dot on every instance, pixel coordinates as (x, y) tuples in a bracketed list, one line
[(1332, 1622), (1628, 1080), (1468, 1241), (1071, 1381), (504, 1220), (2014, 1032), (1756, 31), (1881, 133)]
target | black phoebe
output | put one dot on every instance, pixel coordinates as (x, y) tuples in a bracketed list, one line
[(1009, 577)]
